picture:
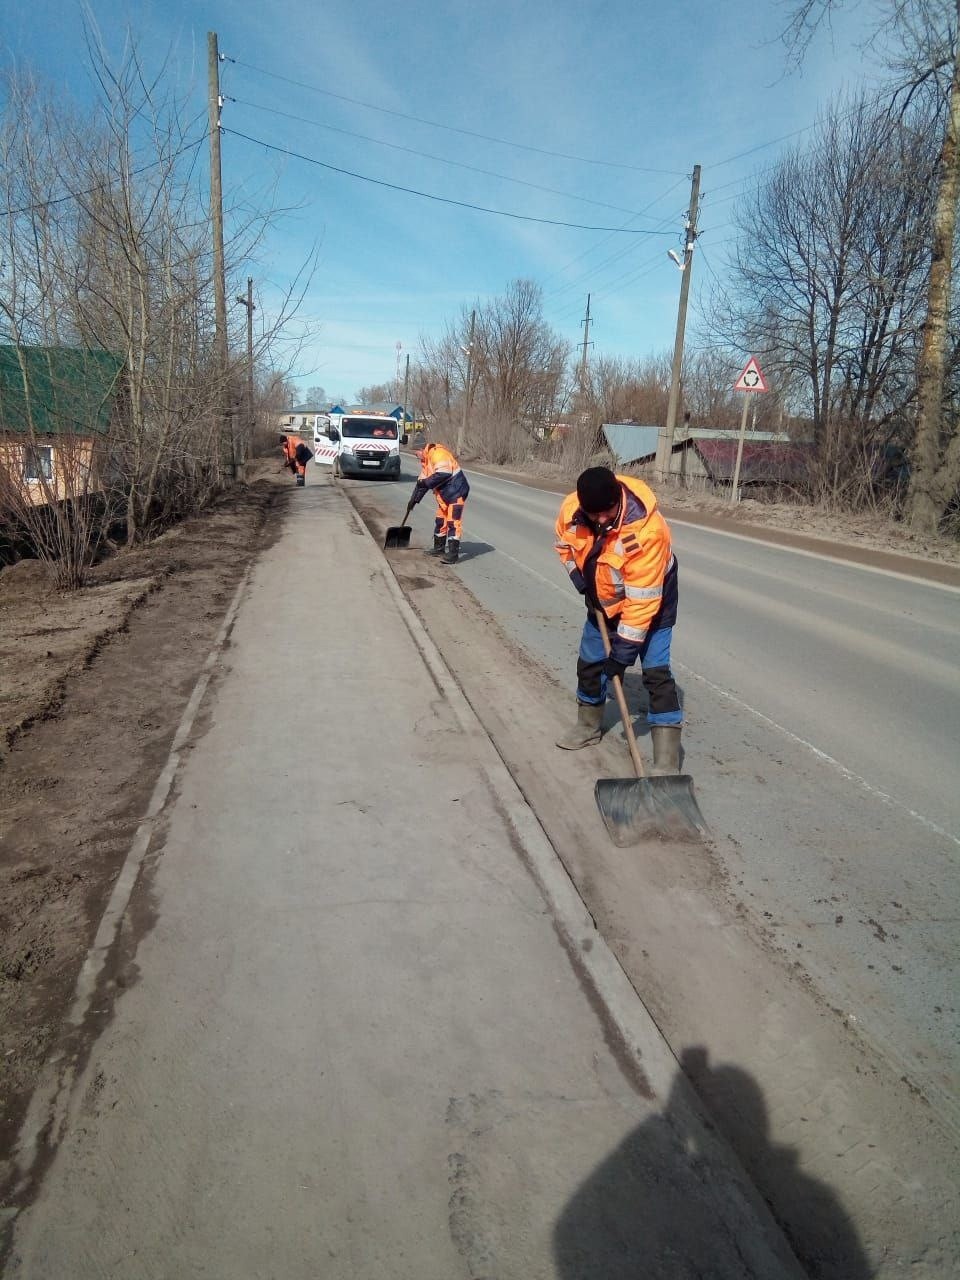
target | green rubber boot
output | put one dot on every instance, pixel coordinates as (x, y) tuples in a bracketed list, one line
[(666, 750), (586, 731)]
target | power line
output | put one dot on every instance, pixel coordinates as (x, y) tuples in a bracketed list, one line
[(426, 155), (591, 272), (92, 191), (600, 243), (427, 195), (435, 124)]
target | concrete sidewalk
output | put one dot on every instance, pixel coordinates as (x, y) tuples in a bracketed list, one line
[(352, 1037)]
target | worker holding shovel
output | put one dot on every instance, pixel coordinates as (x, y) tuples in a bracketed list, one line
[(616, 547), (440, 471)]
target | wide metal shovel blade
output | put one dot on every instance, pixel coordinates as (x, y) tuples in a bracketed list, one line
[(635, 810), (398, 535)]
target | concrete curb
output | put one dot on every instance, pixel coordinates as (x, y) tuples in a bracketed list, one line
[(628, 1024)]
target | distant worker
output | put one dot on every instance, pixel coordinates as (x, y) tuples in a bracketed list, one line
[(616, 547), (301, 456), (440, 471), (289, 449)]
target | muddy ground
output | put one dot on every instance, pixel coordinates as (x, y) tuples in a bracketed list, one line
[(92, 686)]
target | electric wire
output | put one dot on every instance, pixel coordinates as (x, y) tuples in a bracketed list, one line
[(427, 195), (600, 243), (426, 155), (449, 128), (92, 191)]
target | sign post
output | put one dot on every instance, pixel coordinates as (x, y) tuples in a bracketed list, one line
[(751, 380)]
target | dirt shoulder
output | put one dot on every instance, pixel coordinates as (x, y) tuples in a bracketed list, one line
[(94, 684), (866, 539)]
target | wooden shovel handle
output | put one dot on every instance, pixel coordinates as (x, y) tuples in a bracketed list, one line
[(635, 755)]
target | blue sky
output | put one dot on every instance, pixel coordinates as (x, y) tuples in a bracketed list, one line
[(645, 88)]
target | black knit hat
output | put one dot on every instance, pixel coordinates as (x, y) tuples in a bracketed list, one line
[(598, 489)]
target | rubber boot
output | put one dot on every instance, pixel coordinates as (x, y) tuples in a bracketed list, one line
[(587, 729), (666, 750), (452, 553), (439, 546)]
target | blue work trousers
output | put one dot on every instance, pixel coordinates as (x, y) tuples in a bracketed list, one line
[(658, 679)]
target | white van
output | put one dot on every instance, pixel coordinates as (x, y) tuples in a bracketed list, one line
[(358, 444)]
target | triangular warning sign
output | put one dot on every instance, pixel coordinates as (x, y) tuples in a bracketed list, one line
[(751, 379)]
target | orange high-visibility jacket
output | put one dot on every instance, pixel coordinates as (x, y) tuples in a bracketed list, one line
[(631, 571), (440, 471), (289, 448)]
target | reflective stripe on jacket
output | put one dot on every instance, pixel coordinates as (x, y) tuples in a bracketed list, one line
[(440, 471), (631, 571)]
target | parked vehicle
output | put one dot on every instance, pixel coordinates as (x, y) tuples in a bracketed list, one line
[(355, 444)]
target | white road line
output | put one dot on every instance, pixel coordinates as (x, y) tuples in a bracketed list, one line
[(818, 555), (763, 542), (822, 756)]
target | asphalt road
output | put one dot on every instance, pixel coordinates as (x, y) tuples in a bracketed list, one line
[(823, 707)]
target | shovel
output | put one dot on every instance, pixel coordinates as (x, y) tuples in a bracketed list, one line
[(398, 535), (642, 808)]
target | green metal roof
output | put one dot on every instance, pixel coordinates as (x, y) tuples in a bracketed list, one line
[(65, 390)]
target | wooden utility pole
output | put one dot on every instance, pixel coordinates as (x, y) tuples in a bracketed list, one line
[(665, 441), (251, 414), (406, 392), (465, 417), (585, 344), (216, 218)]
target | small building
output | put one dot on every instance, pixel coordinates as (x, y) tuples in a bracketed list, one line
[(705, 457), (55, 404), (386, 407), (299, 421), (629, 442)]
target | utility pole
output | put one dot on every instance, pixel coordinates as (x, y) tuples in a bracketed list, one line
[(251, 415), (216, 216), (586, 343), (665, 441), (464, 420), (406, 391)]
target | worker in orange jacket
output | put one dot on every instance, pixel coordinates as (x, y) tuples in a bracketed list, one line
[(440, 471), (616, 547), (289, 449)]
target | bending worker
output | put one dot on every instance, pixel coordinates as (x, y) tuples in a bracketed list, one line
[(289, 449), (440, 471), (615, 545)]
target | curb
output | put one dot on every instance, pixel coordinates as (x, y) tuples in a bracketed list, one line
[(630, 1030)]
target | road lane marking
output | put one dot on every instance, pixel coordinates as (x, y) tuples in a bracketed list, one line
[(822, 756), (818, 555), (762, 542)]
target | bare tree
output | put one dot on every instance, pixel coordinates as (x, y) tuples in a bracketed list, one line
[(828, 281), (106, 249), (920, 40), (376, 393)]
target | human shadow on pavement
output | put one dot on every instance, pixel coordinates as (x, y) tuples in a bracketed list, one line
[(638, 704), (649, 1211), (472, 550)]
